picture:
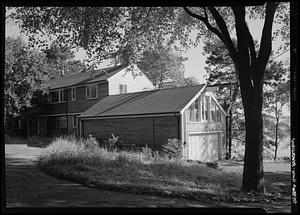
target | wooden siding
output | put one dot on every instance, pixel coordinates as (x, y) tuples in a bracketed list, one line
[(135, 80), (79, 105), (150, 131)]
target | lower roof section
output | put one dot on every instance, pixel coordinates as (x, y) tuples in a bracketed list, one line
[(163, 101)]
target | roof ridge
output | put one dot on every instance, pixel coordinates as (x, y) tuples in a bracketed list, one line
[(173, 88)]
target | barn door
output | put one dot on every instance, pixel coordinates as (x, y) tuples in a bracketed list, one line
[(204, 146)]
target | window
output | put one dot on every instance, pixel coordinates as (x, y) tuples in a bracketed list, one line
[(57, 96), (199, 110), (207, 103), (74, 121), (123, 88), (73, 94), (219, 119), (194, 111), (213, 110), (91, 91), (61, 122)]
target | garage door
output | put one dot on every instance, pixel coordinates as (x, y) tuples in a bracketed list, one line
[(204, 146)]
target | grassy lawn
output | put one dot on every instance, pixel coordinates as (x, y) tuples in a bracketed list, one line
[(140, 172)]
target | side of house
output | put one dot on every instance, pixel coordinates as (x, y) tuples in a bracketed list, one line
[(57, 112)]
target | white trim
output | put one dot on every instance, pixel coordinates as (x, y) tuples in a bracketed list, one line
[(202, 132), (91, 85), (59, 114), (192, 100), (130, 116), (213, 96)]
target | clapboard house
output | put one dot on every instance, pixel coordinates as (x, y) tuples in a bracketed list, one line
[(125, 103)]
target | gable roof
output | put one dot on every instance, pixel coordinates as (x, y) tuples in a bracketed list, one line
[(170, 100), (83, 78)]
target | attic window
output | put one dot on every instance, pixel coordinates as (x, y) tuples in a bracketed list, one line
[(92, 91), (123, 88)]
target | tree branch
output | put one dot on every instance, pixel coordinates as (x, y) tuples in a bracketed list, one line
[(227, 40), (266, 38), (205, 20)]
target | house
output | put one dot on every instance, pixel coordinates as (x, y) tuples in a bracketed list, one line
[(124, 102), (190, 114), (57, 112)]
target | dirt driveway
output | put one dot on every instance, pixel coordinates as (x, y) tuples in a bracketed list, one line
[(28, 187)]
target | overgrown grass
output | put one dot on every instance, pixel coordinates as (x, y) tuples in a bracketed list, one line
[(82, 160)]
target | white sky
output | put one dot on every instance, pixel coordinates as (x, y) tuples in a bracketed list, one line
[(195, 64)]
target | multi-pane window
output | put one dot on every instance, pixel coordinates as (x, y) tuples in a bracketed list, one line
[(73, 94), (57, 96), (213, 110), (74, 121), (91, 91), (123, 88), (219, 117), (204, 109), (61, 122)]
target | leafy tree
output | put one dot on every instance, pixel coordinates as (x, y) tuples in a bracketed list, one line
[(163, 68), (277, 95), (61, 60), (24, 72), (190, 81), (105, 30)]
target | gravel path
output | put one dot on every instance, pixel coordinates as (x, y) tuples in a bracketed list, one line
[(28, 187)]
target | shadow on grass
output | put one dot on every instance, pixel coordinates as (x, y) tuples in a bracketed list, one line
[(279, 182)]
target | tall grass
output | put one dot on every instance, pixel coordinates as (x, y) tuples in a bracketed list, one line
[(83, 160)]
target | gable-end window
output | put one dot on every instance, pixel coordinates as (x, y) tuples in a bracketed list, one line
[(57, 96), (73, 94), (219, 117), (74, 119), (92, 91), (61, 122), (199, 110), (213, 111), (194, 111), (123, 88)]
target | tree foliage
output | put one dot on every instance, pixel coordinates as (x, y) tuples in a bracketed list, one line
[(24, 72), (60, 59), (163, 68)]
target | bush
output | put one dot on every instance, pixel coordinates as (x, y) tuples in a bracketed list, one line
[(214, 165), (173, 148), (90, 143)]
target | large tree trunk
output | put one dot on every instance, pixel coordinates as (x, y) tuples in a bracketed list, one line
[(253, 175)]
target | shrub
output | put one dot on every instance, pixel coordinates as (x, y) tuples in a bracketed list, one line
[(90, 143), (173, 148), (214, 165), (112, 142), (147, 152)]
